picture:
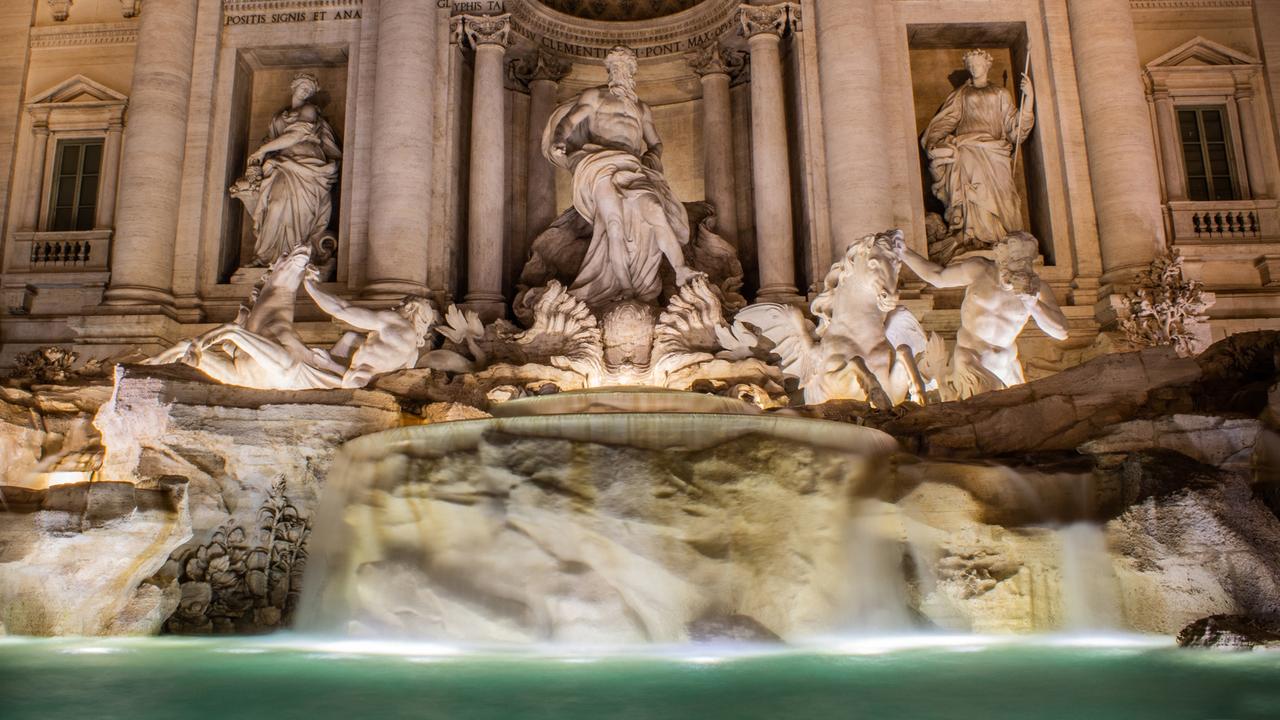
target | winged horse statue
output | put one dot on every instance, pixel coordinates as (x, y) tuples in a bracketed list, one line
[(865, 343)]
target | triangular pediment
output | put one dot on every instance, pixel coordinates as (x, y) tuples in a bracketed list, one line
[(1201, 52), (78, 89)]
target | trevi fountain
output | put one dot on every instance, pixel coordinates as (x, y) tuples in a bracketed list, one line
[(668, 358)]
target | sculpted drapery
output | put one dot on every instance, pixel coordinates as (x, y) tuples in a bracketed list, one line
[(296, 167), (970, 144), (607, 140)]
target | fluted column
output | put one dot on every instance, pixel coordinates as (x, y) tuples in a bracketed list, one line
[(486, 206), (35, 189), (543, 73), (717, 138), (764, 25), (1250, 139), (1175, 179), (155, 143), (853, 117), (403, 126), (106, 213), (1122, 156)]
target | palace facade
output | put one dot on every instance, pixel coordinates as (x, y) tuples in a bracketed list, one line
[(128, 130)]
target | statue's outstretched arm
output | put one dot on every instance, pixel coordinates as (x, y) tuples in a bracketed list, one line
[(1048, 315), (359, 317), (955, 275)]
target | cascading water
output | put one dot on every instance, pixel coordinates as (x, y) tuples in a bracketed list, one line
[(611, 518)]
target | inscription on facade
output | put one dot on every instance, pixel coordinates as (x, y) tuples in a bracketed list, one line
[(291, 17)]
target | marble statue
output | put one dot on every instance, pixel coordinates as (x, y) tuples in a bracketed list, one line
[(1000, 296), (288, 184), (865, 343), (262, 349), (392, 340), (607, 139), (970, 144)]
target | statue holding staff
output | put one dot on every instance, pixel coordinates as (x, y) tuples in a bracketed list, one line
[(971, 144)]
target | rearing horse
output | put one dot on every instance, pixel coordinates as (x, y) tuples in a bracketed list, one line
[(864, 345), (260, 348)]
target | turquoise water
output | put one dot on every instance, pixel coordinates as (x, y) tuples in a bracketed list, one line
[(279, 678)]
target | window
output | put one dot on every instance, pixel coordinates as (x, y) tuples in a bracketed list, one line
[(1206, 153), (77, 167)]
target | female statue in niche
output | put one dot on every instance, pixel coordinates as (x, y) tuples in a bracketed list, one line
[(287, 186), (970, 144)]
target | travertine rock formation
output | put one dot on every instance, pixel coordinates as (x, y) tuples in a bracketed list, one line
[(75, 558)]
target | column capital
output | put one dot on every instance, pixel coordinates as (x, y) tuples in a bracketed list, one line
[(130, 8), (713, 59), (773, 20), (539, 65), (476, 30), (40, 120)]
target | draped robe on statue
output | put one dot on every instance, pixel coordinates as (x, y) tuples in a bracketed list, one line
[(296, 197), (614, 270), (970, 144)]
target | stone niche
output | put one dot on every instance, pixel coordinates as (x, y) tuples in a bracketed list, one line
[(259, 91), (937, 68)]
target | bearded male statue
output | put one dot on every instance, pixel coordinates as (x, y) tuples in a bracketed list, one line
[(1000, 296), (607, 139)]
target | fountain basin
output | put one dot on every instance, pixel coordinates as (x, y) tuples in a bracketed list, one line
[(601, 528)]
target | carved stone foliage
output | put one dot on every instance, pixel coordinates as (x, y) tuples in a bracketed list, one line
[(477, 30), (771, 19), (1166, 308), (244, 579), (539, 65), (50, 364)]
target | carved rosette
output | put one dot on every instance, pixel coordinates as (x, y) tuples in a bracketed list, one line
[(476, 30), (768, 19), (61, 9)]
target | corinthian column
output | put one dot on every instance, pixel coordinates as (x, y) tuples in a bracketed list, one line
[(543, 73), (155, 143), (764, 25), (486, 206), (717, 138), (853, 119), (1117, 128), (400, 193)]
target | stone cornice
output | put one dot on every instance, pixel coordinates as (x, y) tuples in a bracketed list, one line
[(121, 33)]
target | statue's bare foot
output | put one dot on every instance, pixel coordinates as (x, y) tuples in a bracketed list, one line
[(686, 274)]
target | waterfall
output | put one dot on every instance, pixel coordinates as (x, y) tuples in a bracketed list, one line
[(1090, 590)]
